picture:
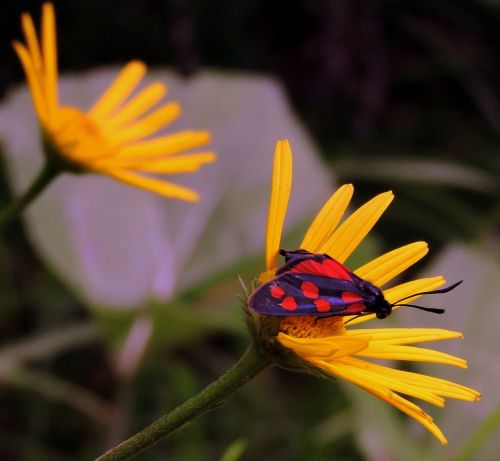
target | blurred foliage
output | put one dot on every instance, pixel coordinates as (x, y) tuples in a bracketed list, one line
[(397, 94)]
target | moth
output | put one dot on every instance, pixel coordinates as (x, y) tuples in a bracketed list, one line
[(318, 285)]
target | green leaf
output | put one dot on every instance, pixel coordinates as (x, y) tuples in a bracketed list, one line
[(234, 451)]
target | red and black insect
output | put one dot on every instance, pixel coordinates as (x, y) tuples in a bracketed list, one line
[(317, 285)]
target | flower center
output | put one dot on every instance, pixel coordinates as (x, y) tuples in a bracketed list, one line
[(78, 137), (312, 327)]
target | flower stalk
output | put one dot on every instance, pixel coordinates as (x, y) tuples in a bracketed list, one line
[(46, 175), (249, 365)]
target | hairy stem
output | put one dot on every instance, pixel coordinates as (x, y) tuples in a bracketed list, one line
[(250, 364)]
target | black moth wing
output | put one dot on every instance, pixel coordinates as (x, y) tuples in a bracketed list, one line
[(293, 293)]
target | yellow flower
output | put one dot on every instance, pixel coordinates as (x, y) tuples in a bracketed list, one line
[(114, 136), (331, 346)]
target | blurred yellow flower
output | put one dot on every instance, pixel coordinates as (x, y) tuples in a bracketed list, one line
[(114, 136), (331, 345)]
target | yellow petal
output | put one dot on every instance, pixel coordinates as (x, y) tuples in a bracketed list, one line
[(170, 164), (280, 193), (165, 145), (147, 125), (400, 291), (354, 229), (391, 264), (34, 82), (179, 164), (404, 335), (119, 90), (137, 106), (267, 276), (327, 219), (331, 348), (164, 188), (368, 372), (410, 353), (49, 51), (412, 410), (32, 42), (437, 386)]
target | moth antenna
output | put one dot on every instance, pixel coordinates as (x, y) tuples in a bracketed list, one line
[(426, 309), (433, 292)]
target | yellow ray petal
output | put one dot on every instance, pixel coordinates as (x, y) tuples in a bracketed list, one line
[(119, 90), (179, 164), (331, 348), (147, 125), (33, 81), (166, 145), (49, 51), (391, 264), (137, 106), (171, 164), (377, 374), (437, 386), (164, 188), (280, 193), (354, 229), (410, 353), (400, 291), (32, 42), (404, 335), (388, 396), (327, 219)]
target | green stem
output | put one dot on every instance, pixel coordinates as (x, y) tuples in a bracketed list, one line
[(250, 364), (44, 178)]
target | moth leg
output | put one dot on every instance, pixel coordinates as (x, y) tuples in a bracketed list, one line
[(354, 318)]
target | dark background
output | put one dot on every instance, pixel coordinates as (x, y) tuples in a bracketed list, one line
[(369, 78)]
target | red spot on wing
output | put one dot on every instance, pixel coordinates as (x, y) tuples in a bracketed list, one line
[(310, 290), (355, 308), (326, 268), (351, 297), (289, 303), (277, 292), (322, 305)]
